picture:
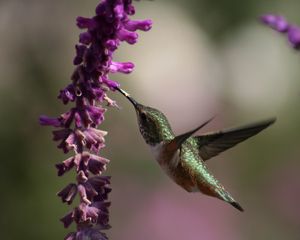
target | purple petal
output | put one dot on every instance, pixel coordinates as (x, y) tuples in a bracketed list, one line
[(61, 134), (85, 213), (98, 93), (125, 67), (101, 7), (109, 83), (294, 36), (65, 166), (80, 52), (92, 213), (78, 120), (83, 194), (133, 25), (119, 11), (71, 141), (130, 10), (101, 185), (83, 22), (99, 181), (95, 235), (102, 212), (90, 191), (67, 219), (97, 164), (112, 44), (77, 161), (96, 114), (95, 135), (85, 38), (82, 177), (67, 118), (83, 118), (90, 234), (129, 37), (110, 102), (70, 236), (276, 22), (68, 193), (67, 94), (48, 121), (74, 141)]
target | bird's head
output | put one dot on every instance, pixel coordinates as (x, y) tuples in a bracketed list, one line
[(152, 123)]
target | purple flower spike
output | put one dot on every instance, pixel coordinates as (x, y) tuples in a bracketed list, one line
[(280, 24), (78, 127)]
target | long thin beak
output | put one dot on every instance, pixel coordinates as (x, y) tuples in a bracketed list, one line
[(134, 103)]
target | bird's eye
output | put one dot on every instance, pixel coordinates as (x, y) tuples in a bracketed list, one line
[(143, 116)]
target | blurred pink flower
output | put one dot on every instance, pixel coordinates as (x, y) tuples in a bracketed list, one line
[(171, 213), (285, 193)]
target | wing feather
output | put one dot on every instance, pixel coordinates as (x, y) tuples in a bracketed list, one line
[(212, 144)]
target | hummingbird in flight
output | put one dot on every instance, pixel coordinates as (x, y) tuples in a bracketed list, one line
[(183, 157)]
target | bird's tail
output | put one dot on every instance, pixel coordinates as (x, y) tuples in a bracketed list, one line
[(225, 196), (237, 206)]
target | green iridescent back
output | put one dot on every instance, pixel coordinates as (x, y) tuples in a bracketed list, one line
[(192, 162)]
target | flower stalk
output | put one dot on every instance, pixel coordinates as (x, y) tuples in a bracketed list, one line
[(77, 129)]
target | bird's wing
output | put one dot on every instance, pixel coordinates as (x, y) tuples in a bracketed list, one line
[(175, 144), (212, 144)]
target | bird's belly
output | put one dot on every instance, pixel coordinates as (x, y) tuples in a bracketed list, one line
[(176, 168), (179, 174), (170, 164), (170, 167)]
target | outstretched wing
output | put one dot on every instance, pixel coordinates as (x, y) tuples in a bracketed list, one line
[(210, 145)]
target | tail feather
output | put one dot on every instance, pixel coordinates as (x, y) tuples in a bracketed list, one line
[(225, 196), (237, 206)]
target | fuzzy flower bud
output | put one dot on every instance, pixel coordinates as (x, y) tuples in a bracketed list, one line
[(276, 22), (133, 25), (126, 67), (84, 23), (129, 37), (294, 36)]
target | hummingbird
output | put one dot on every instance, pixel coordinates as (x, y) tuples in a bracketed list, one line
[(183, 157)]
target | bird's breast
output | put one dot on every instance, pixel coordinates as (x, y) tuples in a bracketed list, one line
[(167, 160), (156, 150), (170, 162)]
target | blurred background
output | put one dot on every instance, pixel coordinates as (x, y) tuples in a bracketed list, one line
[(202, 58)]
